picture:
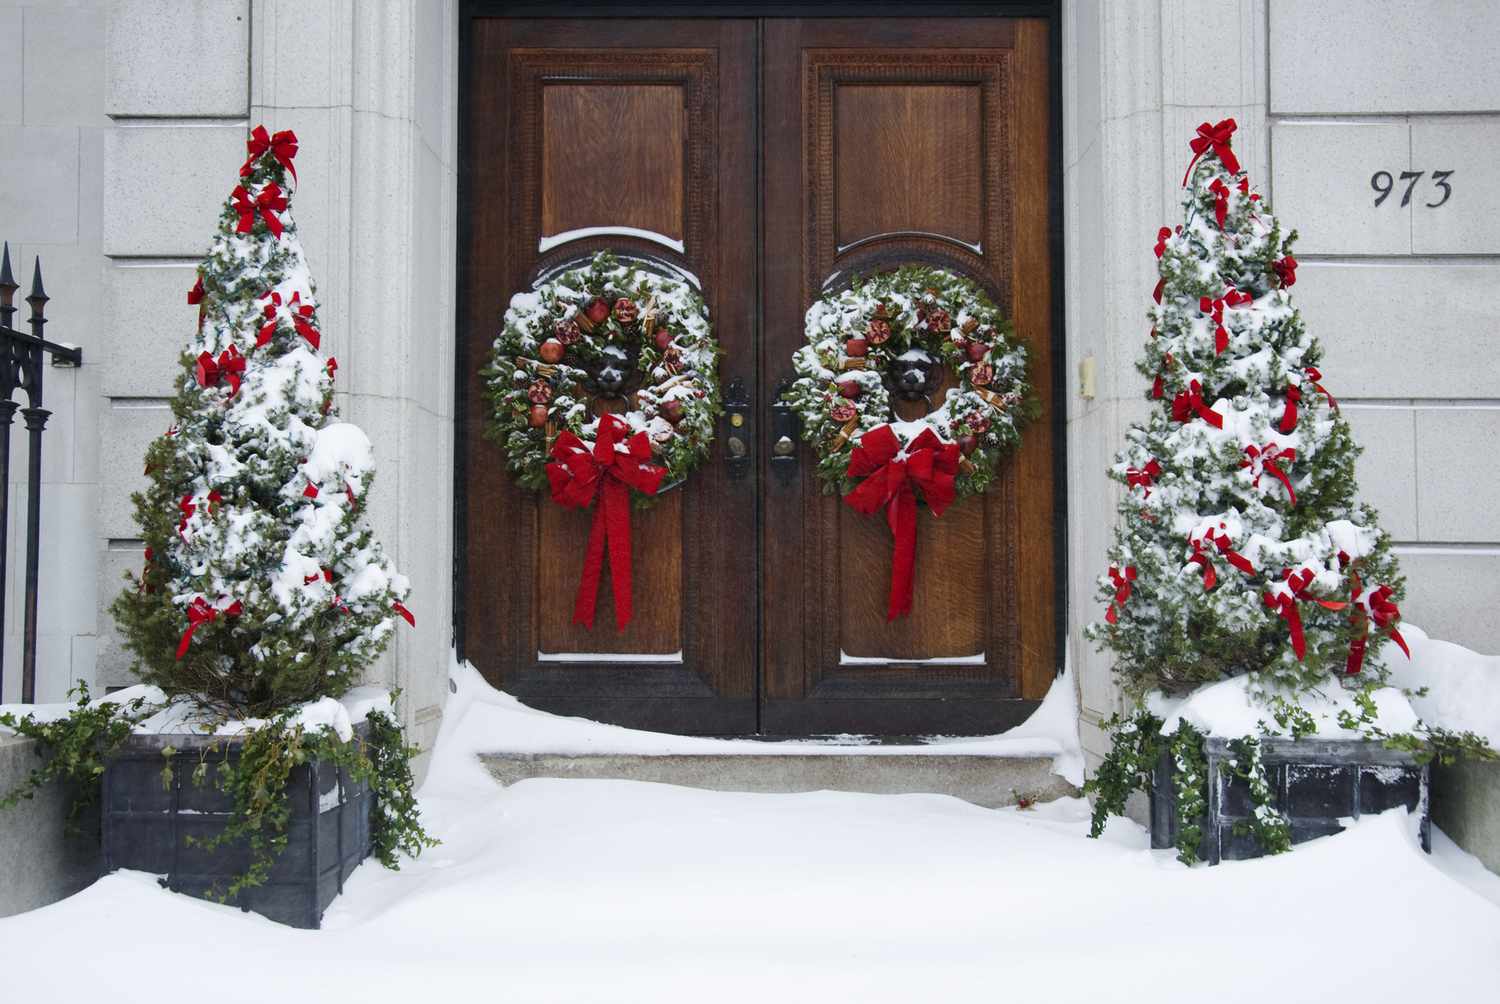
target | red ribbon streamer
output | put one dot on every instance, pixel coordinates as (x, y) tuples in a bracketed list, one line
[(1217, 137), (1314, 375), (1123, 583), (1215, 309), (406, 614), (268, 203), (283, 146), (200, 611), (578, 475), (228, 367), (1190, 401), (1374, 606), (1266, 458), (1162, 236), (891, 477), (1156, 293), (1221, 201)]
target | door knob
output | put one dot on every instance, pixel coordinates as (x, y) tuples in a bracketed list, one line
[(784, 447)]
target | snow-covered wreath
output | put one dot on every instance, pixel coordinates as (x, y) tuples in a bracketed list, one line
[(889, 337), (613, 331)]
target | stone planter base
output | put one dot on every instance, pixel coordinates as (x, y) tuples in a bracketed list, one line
[(1317, 783), (146, 826)]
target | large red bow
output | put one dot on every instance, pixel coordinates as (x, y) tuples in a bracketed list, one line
[(268, 203), (283, 146), (891, 477), (229, 366), (577, 474), (1189, 402), (1264, 460), (1216, 136), (200, 611)]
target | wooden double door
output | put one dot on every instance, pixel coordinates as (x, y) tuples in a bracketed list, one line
[(766, 157)]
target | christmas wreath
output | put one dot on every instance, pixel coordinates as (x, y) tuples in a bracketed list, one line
[(887, 339), (605, 330)]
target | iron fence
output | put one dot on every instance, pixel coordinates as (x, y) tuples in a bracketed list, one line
[(21, 368)]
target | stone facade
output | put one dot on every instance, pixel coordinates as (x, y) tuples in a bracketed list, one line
[(114, 169)]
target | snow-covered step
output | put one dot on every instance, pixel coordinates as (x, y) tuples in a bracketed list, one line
[(985, 780)]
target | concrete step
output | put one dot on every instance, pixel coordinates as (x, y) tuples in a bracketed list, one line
[(989, 781)]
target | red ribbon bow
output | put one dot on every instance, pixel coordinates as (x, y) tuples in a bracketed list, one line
[(1225, 547), (1286, 270), (577, 475), (229, 367), (891, 477), (1294, 395), (1123, 583), (1283, 599), (1216, 136), (1264, 460), (301, 314), (1221, 201), (200, 611), (283, 146), (1161, 240), (268, 203), (1372, 605), (1189, 402), (1143, 477)]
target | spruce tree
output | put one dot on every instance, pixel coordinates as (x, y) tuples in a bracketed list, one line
[(1241, 546), (262, 588)]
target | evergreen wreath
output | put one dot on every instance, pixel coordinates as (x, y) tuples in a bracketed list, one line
[(605, 329), (887, 335), (887, 338)]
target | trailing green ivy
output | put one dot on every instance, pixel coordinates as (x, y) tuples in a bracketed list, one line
[(253, 769), (1190, 785), (74, 749), (1266, 823)]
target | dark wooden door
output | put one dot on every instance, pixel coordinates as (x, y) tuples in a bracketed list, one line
[(889, 140), (765, 155)]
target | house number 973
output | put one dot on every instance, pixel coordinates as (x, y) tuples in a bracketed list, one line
[(1384, 184)]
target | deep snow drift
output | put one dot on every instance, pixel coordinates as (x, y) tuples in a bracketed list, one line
[(621, 891)]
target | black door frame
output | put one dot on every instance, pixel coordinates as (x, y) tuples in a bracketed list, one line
[(1049, 10)]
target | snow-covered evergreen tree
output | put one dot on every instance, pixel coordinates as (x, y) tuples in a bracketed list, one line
[(261, 588), (1241, 546)]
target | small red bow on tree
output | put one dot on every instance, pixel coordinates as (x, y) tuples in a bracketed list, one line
[(228, 367), (200, 611), (268, 203), (1286, 271), (1143, 477), (1190, 402), (578, 475), (283, 146), (1221, 201), (1123, 582), (301, 314), (891, 476), (1161, 240), (1217, 137), (1265, 460), (1221, 541), (1372, 605), (1283, 597)]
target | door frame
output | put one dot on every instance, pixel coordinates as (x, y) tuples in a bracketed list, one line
[(1048, 10)]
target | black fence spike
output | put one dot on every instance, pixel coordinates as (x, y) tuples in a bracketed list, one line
[(7, 281), (8, 289), (38, 295)]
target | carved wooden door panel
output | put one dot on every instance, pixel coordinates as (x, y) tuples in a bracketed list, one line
[(765, 157), (637, 137), (888, 141)]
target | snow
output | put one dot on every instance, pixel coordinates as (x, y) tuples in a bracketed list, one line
[(498, 723), (598, 891), (1464, 686), (181, 716), (1232, 708)]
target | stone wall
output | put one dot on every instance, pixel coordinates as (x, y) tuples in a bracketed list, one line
[(40, 862), (52, 132)]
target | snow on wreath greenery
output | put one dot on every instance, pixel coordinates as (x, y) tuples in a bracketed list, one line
[(605, 330), (891, 337), (1241, 549), (262, 589)]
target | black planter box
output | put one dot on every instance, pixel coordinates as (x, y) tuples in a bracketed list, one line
[(1317, 783), (146, 824)]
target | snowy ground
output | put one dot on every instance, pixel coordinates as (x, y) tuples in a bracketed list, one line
[(621, 891)]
